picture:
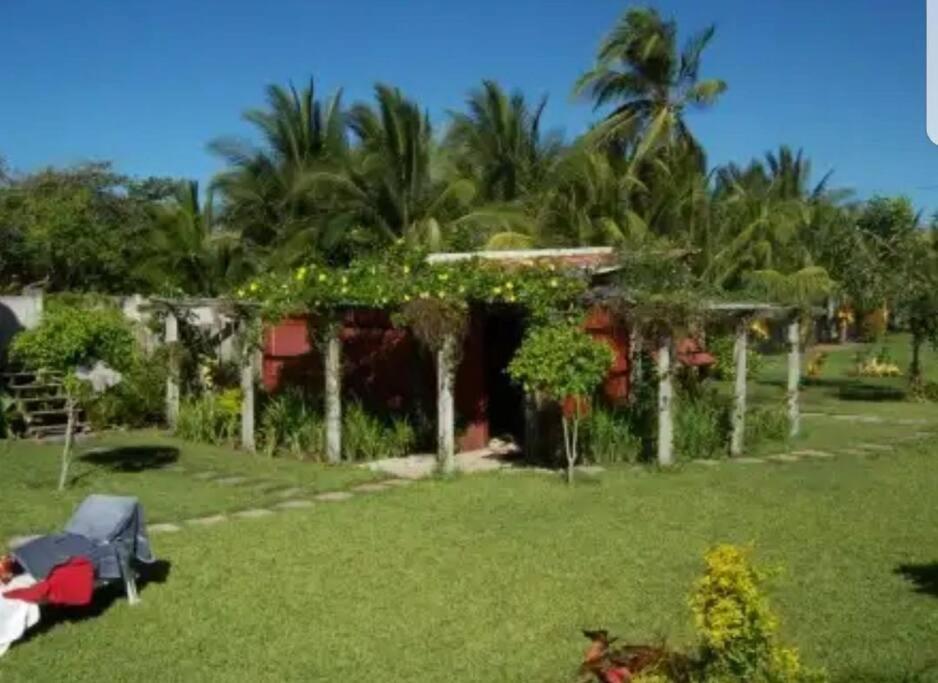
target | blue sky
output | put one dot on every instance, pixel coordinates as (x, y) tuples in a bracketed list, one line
[(149, 84)]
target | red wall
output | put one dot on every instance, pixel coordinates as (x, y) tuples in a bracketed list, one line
[(384, 366)]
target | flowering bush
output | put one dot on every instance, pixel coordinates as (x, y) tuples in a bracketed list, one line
[(878, 365), (402, 275), (737, 629)]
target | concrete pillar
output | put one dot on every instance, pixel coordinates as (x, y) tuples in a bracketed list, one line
[(446, 419), (171, 337), (665, 407), (333, 373), (248, 355), (794, 377), (739, 391)]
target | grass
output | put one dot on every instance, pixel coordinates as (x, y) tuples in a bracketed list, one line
[(140, 464), (491, 577)]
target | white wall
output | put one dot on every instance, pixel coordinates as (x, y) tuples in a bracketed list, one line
[(18, 312)]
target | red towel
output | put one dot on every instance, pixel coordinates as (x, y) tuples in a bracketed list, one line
[(71, 584)]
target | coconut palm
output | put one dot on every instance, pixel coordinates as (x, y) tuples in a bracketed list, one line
[(188, 253), (640, 72), (263, 190), (498, 142)]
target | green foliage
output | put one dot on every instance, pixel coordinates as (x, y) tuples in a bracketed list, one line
[(403, 275), (290, 422), (137, 401), (737, 628), (366, 437), (702, 425), (612, 437), (767, 423), (69, 336), (559, 361), (210, 418), (725, 367)]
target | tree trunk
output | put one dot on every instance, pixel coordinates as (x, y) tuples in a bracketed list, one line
[(333, 372), (739, 407), (635, 362), (532, 449), (665, 400), (445, 415), (170, 337), (247, 398), (915, 369), (67, 447), (794, 377)]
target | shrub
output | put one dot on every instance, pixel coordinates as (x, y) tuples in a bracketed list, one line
[(210, 418), (136, 402), (879, 364), (766, 423), (290, 422), (702, 425), (560, 362), (366, 437), (736, 627), (68, 337), (611, 437), (725, 367)]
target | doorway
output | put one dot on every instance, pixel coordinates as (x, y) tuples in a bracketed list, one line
[(504, 331)]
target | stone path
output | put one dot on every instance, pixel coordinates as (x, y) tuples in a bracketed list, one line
[(406, 471)]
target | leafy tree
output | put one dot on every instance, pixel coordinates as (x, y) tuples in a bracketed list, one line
[(187, 253), (561, 362), (640, 72), (69, 337)]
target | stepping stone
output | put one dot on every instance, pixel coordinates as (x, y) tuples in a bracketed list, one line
[(370, 488), (231, 481), (808, 453), (748, 461), (179, 469), (875, 447), (254, 513), (783, 458), (294, 504), (288, 493), (165, 528), (854, 451), (203, 476), (17, 541), (207, 521), (705, 462), (332, 496), (407, 482)]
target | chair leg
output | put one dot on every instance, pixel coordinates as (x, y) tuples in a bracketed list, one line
[(130, 582)]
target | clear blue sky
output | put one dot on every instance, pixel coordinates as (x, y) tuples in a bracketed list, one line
[(148, 84)]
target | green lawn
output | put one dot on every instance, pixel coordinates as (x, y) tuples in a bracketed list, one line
[(491, 577), (143, 464)]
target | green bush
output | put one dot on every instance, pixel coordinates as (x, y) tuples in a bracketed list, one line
[(725, 367), (702, 425), (291, 423), (766, 423), (138, 401), (611, 437), (68, 337), (366, 437), (210, 418)]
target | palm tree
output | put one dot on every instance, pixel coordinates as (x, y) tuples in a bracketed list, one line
[(498, 142), (188, 254), (397, 186), (264, 191), (639, 71)]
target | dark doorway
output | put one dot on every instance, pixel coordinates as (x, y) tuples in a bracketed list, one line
[(504, 330)]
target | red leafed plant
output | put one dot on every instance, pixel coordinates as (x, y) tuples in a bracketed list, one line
[(607, 662)]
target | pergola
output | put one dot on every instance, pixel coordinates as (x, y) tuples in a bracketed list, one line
[(240, 312)]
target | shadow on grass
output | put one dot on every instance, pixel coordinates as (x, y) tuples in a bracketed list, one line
[(849, 389), (131, 458), (923, 576), (105, 596)]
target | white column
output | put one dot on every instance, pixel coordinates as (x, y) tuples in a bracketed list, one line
[(665, 400), (446, 440), (739, 394), (247, 392), (171, 336), (794, 376), (333, 373)]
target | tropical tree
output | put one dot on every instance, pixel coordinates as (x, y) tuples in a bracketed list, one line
[(264, 191), (188, 254), (498, 142), (650, 84)]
